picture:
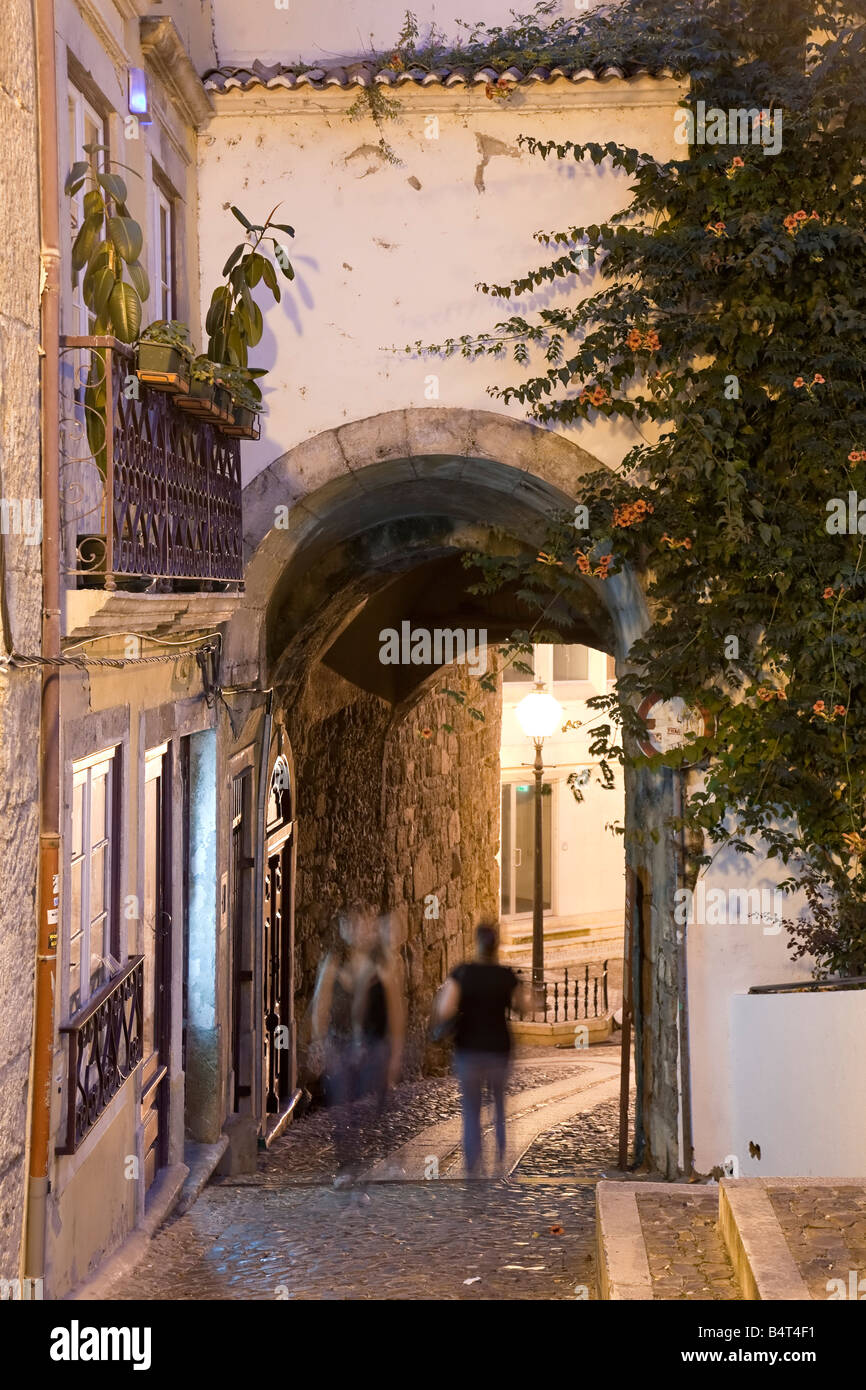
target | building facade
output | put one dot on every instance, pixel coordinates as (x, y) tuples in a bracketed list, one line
[(236, 763)]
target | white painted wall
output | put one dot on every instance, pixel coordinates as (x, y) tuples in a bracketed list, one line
[(798, 1067), (381, 262), (725, 961), (587, 858), (327, 30)]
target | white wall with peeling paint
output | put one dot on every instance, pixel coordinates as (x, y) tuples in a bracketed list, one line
[(389, 253)]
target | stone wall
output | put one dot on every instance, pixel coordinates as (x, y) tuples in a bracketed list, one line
[(403, 816), (21, 582)]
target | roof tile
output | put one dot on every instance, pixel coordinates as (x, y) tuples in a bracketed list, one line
[(361, 73)]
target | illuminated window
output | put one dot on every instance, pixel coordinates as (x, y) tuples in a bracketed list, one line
[(570, 663)]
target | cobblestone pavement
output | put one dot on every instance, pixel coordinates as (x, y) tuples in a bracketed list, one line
[(450, 1241), (305, 1152), (286, 1233), (583, 1147), (825, 1228), (685, 1251)]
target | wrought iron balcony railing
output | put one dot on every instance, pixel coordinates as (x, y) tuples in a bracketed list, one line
[(105, 1047), (579, 996), (151, 495)]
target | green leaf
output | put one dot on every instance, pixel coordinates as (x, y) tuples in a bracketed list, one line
[(94, 205), (253, 269), (76, 176), (281, 227), (220, 297), (269, 275), (85, 241), (138, 276), (125, 236), (99, 291), (113, 184), (234, 258), (256, 327), (124, 308), (239, 215)]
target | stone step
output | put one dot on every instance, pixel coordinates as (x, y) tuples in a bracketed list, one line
[(743, 1238)]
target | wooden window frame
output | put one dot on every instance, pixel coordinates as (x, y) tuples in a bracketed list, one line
[(107, 764)]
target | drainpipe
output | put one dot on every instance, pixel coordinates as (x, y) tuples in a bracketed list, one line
[(683, 1003), (49, 782)]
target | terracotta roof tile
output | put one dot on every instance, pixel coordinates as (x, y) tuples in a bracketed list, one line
[(279, 75)]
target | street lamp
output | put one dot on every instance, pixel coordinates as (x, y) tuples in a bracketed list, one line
[(538, 714)]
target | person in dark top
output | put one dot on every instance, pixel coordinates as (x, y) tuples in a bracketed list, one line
[(477, 996)]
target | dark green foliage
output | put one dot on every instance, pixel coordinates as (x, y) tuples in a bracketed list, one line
[(727, 324)]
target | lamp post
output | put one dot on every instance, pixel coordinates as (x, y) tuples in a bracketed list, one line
[(538, 715)]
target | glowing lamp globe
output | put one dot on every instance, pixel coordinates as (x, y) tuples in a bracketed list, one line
[(538, 713)]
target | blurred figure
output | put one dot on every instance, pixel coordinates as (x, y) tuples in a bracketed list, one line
[(477, 996), (333, 1029), (380, 1016), (359, 1020)]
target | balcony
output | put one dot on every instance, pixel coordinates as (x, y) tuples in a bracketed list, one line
[(105, 1047), (150, 499)]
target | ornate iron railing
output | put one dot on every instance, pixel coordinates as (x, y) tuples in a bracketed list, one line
[(580, 995), (150, 495), (105, 1047)]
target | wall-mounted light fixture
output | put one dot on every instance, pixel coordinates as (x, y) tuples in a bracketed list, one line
[(139, 96)]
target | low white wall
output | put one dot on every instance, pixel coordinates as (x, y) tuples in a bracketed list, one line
[(724, 961), (798, 1076)]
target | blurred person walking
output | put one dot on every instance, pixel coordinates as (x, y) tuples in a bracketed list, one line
[(380, 1018), (477, 997), (357, 1019)]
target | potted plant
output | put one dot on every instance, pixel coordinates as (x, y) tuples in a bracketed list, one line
[(246, 402), (164, 356), (114, 283), (207, 395)]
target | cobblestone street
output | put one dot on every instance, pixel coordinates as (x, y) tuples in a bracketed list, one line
[(286, 1233)]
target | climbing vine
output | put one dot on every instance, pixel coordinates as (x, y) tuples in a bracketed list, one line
[(722, 316)]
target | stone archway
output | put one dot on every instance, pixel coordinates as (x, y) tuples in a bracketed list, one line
[(341, 516)]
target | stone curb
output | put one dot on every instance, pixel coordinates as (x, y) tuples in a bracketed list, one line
[(623, 1268), (755, 1240)]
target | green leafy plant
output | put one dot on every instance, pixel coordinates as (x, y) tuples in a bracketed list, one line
[(169, 333), (725, 325), (205, 369), (241, 382), (234, 320), (107, 248)]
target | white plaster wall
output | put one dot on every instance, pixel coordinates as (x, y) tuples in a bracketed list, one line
[(799, 1077), (325, 30), (588, 859), (381, 262), (725, 961)]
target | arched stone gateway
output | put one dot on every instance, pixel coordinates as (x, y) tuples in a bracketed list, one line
[(368, 521)]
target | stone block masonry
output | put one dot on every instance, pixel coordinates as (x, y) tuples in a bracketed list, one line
[(400, 814)]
